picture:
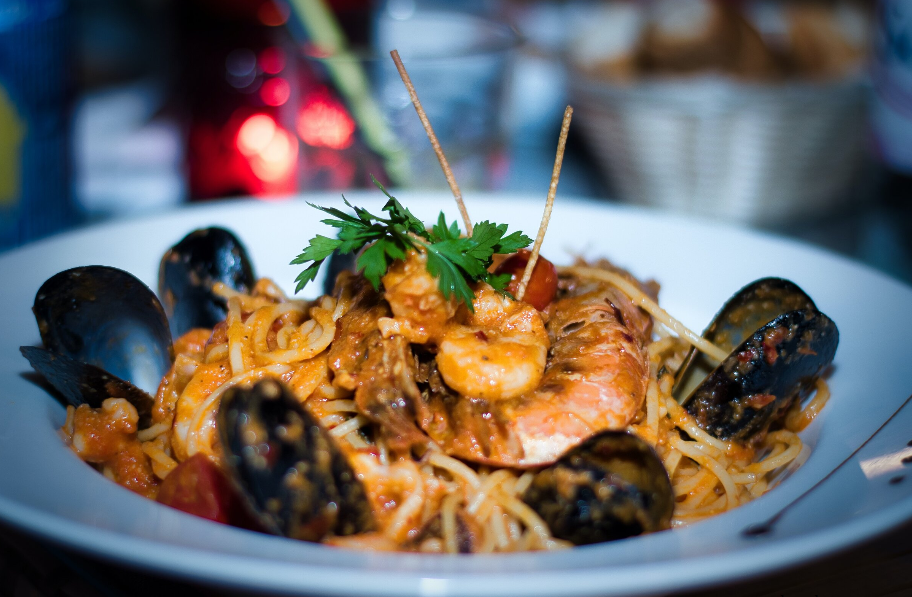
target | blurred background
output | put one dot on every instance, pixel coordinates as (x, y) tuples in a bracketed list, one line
[(788, 116)]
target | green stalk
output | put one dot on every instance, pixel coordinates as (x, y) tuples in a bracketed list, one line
[(351, 81)]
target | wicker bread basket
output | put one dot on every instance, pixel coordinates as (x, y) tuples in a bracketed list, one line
[(752, 153)]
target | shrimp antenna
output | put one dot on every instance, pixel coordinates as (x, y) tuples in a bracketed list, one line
[(552, 191), (457, 194)]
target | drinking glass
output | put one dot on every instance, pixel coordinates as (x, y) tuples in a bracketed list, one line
[(356, 119)]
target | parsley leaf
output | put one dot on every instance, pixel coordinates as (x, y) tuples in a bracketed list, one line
[(450, 279), (455, 260), (499, 282)]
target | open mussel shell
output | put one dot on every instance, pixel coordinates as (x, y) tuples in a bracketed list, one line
[(296, 480), (745, 312), (763, 375), (610, 487), (81, 383), (107, 318), (189, 270)]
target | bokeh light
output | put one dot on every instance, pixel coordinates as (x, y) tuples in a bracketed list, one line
[(275, 91), (324, 122)]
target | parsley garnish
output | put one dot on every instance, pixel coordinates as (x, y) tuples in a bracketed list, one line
[(451, 258)]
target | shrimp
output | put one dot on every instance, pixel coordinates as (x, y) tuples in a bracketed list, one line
[(498, 350), (420, 311), (494, 384), (498, 353), (595, 379)]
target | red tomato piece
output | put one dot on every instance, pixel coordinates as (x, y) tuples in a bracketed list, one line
[(198, 487), (542, 285)]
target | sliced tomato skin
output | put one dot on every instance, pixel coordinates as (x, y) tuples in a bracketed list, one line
[(542, 286), (197, 486)]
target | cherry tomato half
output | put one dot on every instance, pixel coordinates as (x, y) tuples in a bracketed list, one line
[(198, 487), (542, 285)]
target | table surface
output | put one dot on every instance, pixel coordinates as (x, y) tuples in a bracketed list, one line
[(877, 230)]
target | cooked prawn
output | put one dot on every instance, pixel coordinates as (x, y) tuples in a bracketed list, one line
[(494, 384), (595, 379), (498, 350), (498, 353), (420, 311)]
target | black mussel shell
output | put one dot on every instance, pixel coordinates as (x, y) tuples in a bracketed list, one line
[(610, 487), (745, 312), (189, 270), (762, 376), (81, 383), (105, 317), (337, 264), (296, 480), (753, 306)]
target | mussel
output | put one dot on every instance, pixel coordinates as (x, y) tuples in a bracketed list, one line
[(189, 270), (104, 333), (337, 264), (297, 481), (779, 344), (81, 383), (611, 486)]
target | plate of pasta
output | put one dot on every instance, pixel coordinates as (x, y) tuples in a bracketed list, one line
[(444, 394)]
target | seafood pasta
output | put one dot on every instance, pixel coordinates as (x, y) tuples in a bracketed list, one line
[(448, 393), (395, 416)]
